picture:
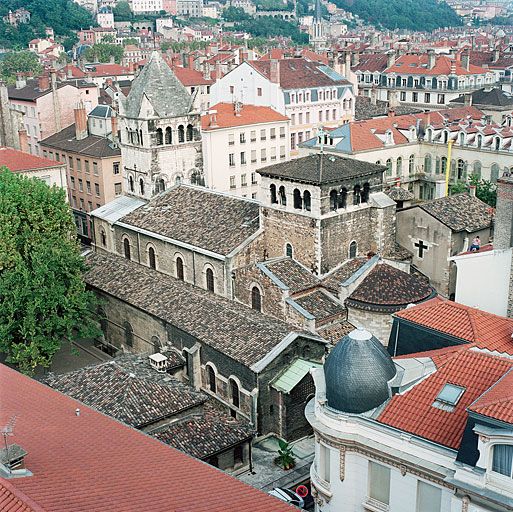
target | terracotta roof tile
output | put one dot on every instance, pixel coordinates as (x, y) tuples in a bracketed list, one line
[(226, 117), (333, 280), (413, 411), (91, 462), (417, 65), (497, 402), (18, 161)]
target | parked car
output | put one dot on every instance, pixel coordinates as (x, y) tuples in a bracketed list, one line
[(288, 496)]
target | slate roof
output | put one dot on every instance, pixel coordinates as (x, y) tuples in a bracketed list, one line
[(160, 85), (320, 169), (31, 91), (413, 411), (206, 434), (124, 391), (92, 145), (386, 288), (233, 329), (91, 462), (485, 330), (292, 274), (364, 109), (399, 194), (493, 97), (460, 212), (197, 216), (320, 305), (333, 280)]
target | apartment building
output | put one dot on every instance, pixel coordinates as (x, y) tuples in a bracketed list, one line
[(92, 157), (239, 139), (310, 93)]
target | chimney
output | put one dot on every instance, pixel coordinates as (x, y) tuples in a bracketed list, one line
[(20, 81), (467, 101), (355, 59), (219, 73), (472, 190), (23, 140), (390, 59), (496, 54), (190, 63), (465, 60), (43, 83), (80, 121), (275, 71), (53, 78), (374, 96), (114, 127), (431, 59), (503, 231), (453, 67)]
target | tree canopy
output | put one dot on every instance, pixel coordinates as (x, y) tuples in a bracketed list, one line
[(122, 11), (403, 14), (102, 52), (23, 62), (43, 300), (64, 16), (267, 26)]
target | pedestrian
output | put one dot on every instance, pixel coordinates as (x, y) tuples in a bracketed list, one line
[(476, 244)]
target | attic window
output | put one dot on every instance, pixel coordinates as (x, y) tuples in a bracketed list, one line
[(449, 397)]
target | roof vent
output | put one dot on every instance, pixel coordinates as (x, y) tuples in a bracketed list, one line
[(158, 362)]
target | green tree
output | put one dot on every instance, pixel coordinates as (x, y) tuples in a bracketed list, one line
[(458, 188), (102, 52), (485, 190), (122, 12), (43, 300), (234, 14), (22, 62)]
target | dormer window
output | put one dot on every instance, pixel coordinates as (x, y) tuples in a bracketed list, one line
[(503, 459)]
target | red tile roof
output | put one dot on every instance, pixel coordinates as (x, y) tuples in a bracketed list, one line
[(497, 402), (439, 356), (91, 462), (413, 411), (417, 65), (486, 330), (12, 500), (249, 115), (18, 161), (190, 77), (483, 248)]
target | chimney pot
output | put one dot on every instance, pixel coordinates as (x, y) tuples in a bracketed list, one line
[(80, 121), (275, 71), (43, 83)]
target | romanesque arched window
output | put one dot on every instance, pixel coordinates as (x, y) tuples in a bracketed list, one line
[(353, 249), (103, 237), (169, 135), (160, 185), (179, 268), (157, 346), (212, 384), (181, 133), (274, 197), (126, 248), (234, 393), (289, 251), (131, 183), (365, 193), (298, 203), (307, 201), (159, 137), (129, 334), (152, 260), (190, 133), (209, 278), (333, 200), (141, 140), (342, 198), (141, 186), (282, 195), (256, 298), (356, 195)]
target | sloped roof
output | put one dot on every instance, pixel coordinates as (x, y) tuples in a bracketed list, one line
[(413, 411), (226, 117), (291, 273), (13, 500), (336, 277), (18, 161), (496, 97), (79, 463), (460, 212), (485, 330), (160, 85), (399, 194), (320, 305), (198, 216), (293, 375), (417, 65)]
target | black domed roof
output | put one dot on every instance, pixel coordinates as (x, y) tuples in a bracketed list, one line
[(357, 373)]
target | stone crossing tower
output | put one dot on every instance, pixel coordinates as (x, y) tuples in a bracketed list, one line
[(318, 37), (159, 132)]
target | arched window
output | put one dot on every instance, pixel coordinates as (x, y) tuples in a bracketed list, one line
[(129, 334), (212, 385), (256, 298), (356, 195), (365, 193), (169, 135), (477, 169), (141, 186), (131, 183), (461, 169), (151, 257), (411, 165), (282, 195), (333, 200), (160, 185), (353, 249), (443, 164), (342, 198), (126, 248), (103, 237), (399, 166), (389, 167), (179, 268), (427, 164), (307, 201), (298, 203), (190, 132), (274, 197), (494, 173), (157, 346), (462, 139), (289, 251), (209, 276), (181, 133), (103, 320), (178, 180), (234, 393), (141, 140), (160, 137)]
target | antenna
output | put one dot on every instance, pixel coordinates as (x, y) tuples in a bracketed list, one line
[(8, 430)]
